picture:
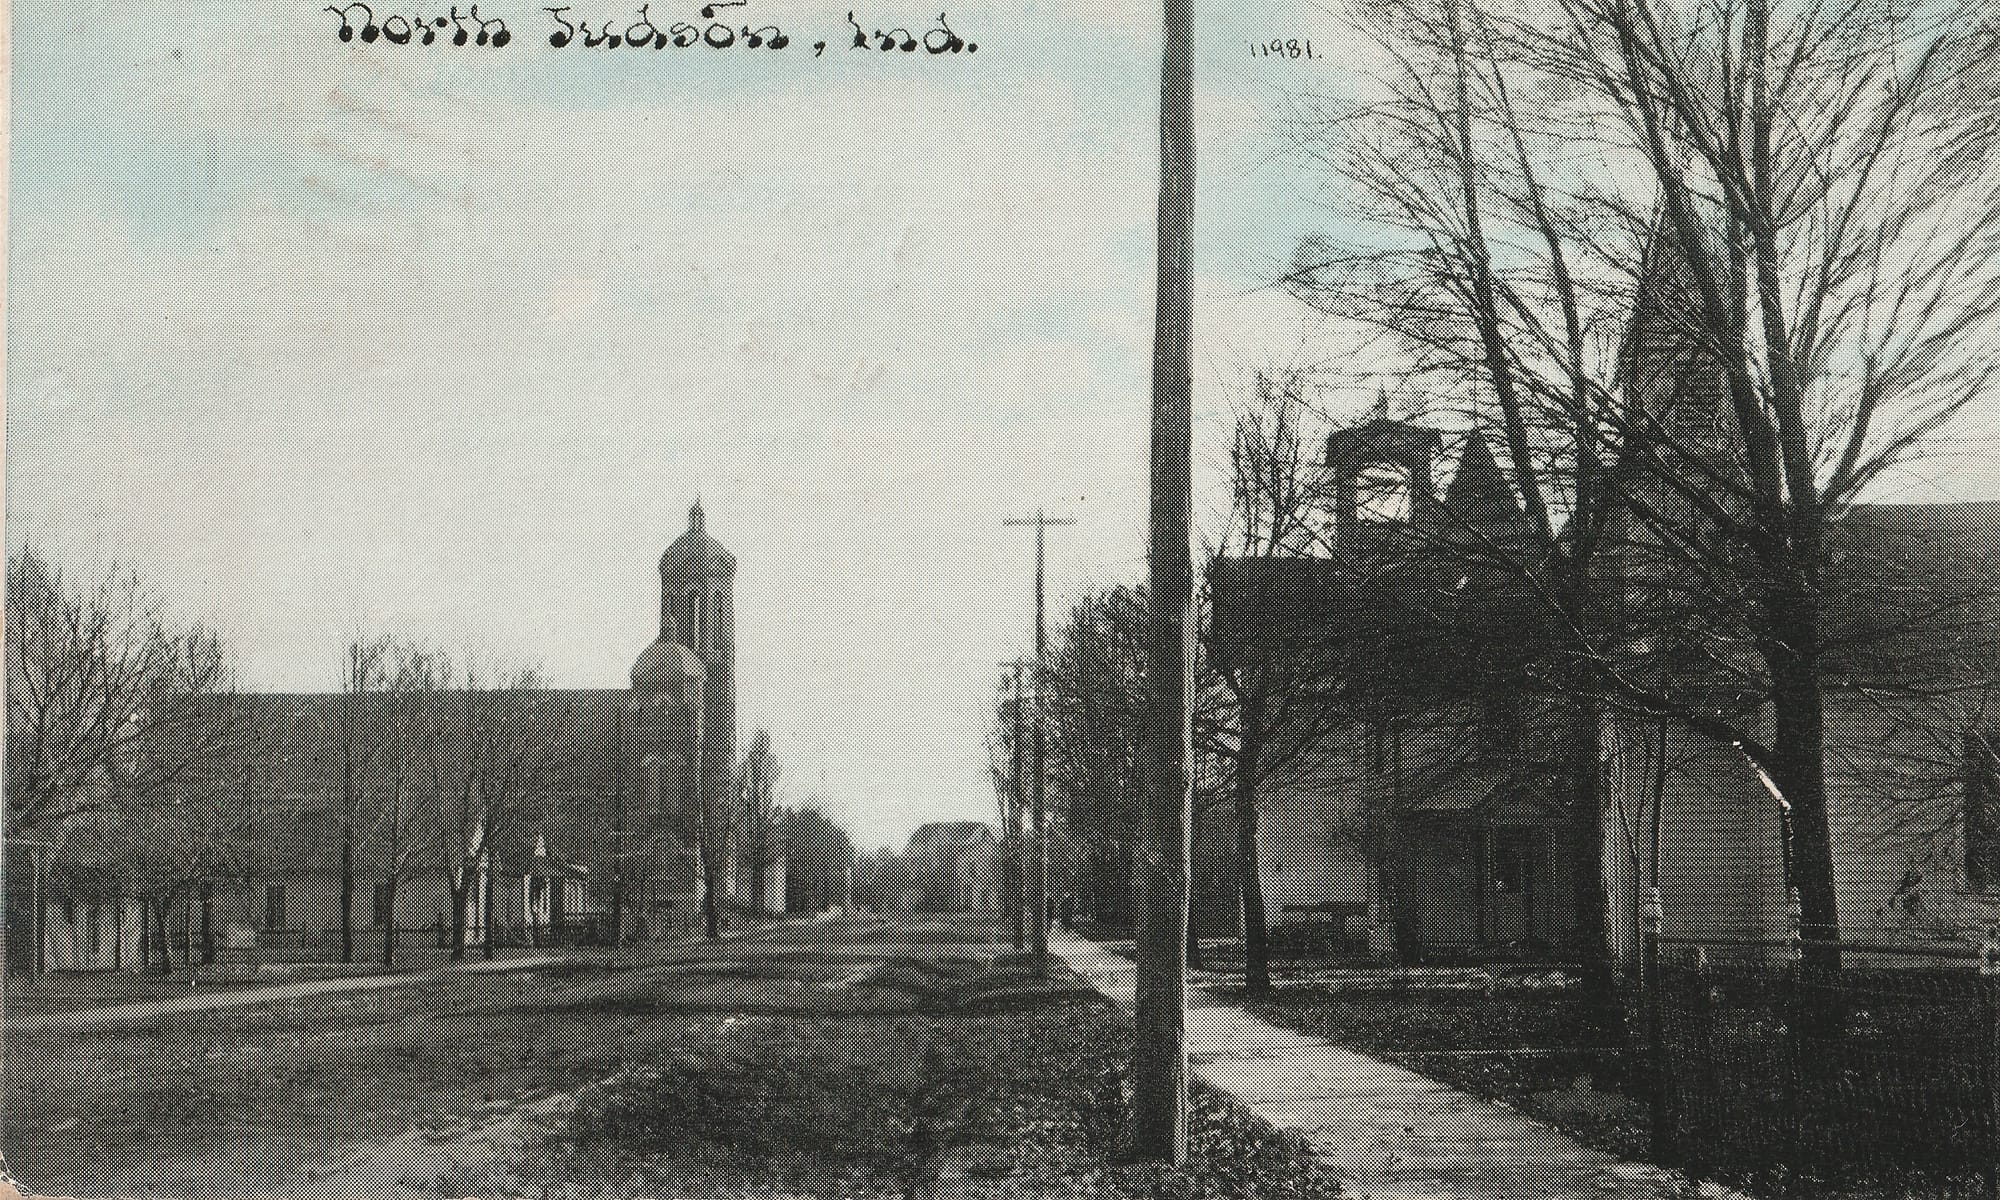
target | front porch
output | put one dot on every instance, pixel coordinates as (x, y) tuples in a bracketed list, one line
[(1481, 872)]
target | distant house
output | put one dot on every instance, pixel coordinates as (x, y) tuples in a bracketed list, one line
[(948, 866)]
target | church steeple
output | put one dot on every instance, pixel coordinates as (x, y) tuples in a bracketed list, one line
[(1479, 494)]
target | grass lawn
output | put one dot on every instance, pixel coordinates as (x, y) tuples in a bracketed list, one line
[(1531, 1047), (819, 1060)]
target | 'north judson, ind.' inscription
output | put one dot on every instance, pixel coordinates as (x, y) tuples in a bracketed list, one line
[(714, 27)]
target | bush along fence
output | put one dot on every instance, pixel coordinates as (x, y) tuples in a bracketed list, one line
[(1824, 1065)]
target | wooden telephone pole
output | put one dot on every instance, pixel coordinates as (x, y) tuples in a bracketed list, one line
[(1159, 1068), (1038, 863)]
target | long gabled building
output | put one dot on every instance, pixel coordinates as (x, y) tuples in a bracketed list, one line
[(457, 818)]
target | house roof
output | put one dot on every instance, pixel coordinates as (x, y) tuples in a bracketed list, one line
[(955, 834), (1419, 619), (1910, 591), (1476, 790), (1479, 494), (1915, 587)]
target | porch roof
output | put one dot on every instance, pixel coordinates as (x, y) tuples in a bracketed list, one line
[(1476, 790)]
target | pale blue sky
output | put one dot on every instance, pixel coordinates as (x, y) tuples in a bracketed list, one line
[(443, 342)]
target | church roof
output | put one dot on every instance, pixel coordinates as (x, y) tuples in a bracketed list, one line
[(696, 548), (666, 666), (1479, 493), (1915, 584), (280, 793)]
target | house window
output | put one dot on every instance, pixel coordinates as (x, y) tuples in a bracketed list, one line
[(1982, 814), (274, 906), (385, 902)]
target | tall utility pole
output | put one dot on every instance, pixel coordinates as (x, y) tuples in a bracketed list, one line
[(1159, 1068), (1038, 867)]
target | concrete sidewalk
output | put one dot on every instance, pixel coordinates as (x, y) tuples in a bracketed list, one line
[(1385, 1132), (139, 1012)]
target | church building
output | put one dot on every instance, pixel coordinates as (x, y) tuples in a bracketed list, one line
[(539, 816)]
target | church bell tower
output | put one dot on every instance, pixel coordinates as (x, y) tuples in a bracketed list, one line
[(698, 610)]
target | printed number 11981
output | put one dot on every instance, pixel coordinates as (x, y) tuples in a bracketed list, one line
[(1282, 48)]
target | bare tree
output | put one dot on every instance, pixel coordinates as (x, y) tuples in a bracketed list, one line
[(1096, 689), (1731, 263), (94, 669), (1006, 754), (365, 660), (818, 856), (171, 852), (759, 830), (1826, 184), (495, 752), (414, 680), (1279, 671)]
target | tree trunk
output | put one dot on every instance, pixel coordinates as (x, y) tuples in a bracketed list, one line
[(1595, 953), (1011, 875), (1790, 649), (1799, 770), (460, 902), (1249, 868), (1385, 942), (347, 894), (161, 937), (711, 904), (708, 827), (486, 913), (617, 917), (389, 925), (207, 924)]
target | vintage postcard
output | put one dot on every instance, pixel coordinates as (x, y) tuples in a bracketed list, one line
[(613, 600)]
